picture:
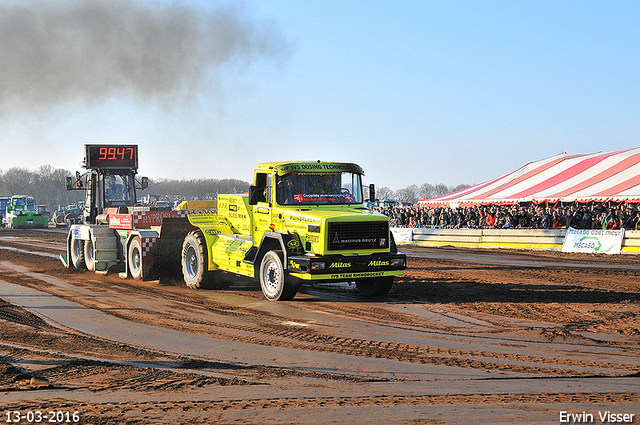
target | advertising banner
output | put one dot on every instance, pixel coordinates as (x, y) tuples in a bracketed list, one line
[(402, 234), (593, 241)]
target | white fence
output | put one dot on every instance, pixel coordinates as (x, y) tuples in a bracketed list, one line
[(502, 238)]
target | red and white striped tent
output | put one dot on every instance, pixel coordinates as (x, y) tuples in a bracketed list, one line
[(601, 177)]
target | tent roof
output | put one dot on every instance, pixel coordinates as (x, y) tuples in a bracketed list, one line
[(602, 176)]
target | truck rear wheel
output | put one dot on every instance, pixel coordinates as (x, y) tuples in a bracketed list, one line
[(194, 260), (274, 280), (134, 258), (375, 286), (77, 254)]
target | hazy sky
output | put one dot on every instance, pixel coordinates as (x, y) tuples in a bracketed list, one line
[(413, 91)]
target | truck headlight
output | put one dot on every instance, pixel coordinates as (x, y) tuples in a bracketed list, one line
[(397, 262), (318, 265)]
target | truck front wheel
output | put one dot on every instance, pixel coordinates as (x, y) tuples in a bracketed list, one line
[(274, 280), (375, 286), (194, 260)]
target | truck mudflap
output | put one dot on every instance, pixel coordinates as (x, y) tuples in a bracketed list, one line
[(345, 268)]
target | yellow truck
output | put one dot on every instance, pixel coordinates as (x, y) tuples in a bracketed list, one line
[(300, 222)]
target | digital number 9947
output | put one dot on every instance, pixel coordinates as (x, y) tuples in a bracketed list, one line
[(115, 153)]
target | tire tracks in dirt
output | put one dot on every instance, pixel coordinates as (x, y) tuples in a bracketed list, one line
[(113, 410), (311, 340)]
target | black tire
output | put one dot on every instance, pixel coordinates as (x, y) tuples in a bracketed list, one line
[(59, 220), (194, 261), (375, 286), (70, 219), (134, 258), (274, 279), (77, 254), (89, 258)]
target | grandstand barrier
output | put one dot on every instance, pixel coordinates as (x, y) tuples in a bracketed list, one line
[(499, 238)]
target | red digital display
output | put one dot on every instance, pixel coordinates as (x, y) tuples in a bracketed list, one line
[(111, 156)]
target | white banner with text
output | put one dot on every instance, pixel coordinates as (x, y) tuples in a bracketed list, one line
[(593, 241), (402, 234)]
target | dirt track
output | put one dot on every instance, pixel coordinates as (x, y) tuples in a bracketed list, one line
[(466, 336)]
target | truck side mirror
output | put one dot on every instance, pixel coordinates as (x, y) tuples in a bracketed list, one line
[(143, 183), (74, 184), (372, 192), (255, 194)]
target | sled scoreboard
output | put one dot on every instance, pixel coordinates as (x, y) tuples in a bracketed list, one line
[(111, 156)]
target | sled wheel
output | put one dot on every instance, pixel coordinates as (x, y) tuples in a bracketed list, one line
[(89, 257), (77, 254), (274, 280)]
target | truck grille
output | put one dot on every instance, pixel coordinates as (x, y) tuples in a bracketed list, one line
[(358, 235)]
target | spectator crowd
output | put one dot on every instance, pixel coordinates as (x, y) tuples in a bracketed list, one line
[(579, 216)]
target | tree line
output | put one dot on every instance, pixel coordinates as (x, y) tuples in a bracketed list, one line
[(195, 189), (47, 185), (412, 193)]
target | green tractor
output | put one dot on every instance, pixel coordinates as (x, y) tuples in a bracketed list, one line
[(22, 213), (66, 215)]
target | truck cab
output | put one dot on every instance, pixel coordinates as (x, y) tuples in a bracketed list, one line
[(312, 215), (110, 181)]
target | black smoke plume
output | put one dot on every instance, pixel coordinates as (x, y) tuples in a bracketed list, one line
[(53, 52)]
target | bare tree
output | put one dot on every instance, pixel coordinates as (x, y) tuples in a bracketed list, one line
[(50, 187), (441, 189), (408, 194), (384, 193), (47, 185), (460, 187), (426, 191), (196, 189), (18, 181)]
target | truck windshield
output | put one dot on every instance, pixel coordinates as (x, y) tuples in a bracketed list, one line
[(118, 190), (318, 189), (25, 204)]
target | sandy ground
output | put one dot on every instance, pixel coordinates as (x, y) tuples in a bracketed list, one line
[(466, 336)]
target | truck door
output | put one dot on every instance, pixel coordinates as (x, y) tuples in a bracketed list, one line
[(263, 196)]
